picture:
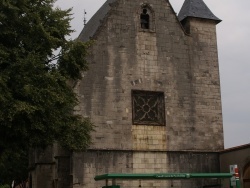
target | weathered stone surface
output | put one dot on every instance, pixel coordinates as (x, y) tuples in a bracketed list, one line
[(164, 58)]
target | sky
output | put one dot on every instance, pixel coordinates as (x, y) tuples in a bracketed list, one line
[(234, 58)]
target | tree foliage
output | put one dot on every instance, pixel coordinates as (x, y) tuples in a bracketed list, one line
[(4, 186), (36, 102)]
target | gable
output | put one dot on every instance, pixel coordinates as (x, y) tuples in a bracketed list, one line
[(96, 21)]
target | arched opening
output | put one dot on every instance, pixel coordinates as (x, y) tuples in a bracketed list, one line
[(246, 176), (145, 18)]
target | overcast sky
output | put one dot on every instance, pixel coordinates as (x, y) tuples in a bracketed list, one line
[(234, 57)]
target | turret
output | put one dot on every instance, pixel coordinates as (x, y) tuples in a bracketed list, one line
[(195, 9), (200, 23)]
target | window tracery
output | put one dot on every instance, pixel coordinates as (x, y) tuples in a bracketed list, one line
[(148, 108)]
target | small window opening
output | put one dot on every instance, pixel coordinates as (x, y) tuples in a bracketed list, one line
[(144, 19)]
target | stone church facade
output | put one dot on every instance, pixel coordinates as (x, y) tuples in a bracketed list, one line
[(153, 93)]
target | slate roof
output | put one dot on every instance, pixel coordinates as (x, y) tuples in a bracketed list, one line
[(92, 25), (197, 9)]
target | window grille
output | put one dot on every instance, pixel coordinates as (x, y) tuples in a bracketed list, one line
[(148, 108)]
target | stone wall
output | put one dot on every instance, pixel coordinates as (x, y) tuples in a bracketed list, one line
[(206, 84), (184, 67), (101, 162), (164, 58), (50, 167)]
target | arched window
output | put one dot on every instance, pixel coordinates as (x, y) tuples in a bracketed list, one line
[(145, 18)]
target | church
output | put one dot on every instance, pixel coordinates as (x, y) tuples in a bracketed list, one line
[(153, 92)]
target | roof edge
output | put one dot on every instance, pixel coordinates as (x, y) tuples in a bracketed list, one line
[(245, 146), (216, 21)]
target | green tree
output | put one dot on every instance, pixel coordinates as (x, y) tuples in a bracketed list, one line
[(4, 186), (36, 101)]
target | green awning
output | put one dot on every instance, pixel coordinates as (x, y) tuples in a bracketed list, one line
[(163, 176)]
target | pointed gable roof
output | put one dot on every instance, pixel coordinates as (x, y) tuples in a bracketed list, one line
[(197, 9), (93, 24)]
